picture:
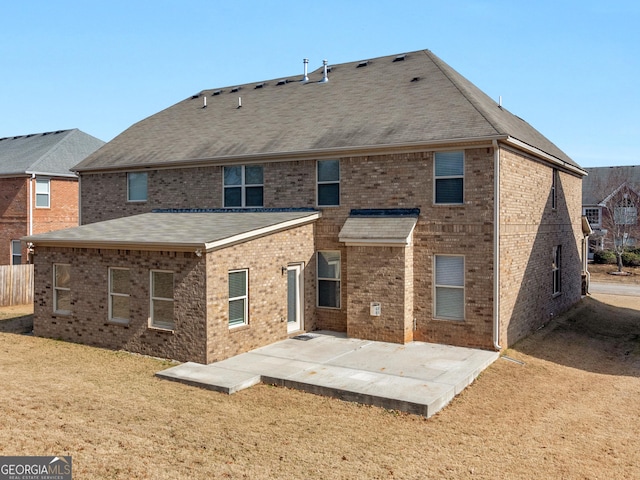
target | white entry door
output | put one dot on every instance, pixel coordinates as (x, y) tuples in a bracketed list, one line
[(294, 298)]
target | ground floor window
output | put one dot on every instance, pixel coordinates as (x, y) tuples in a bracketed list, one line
[(119, 292), (162, 299), (16, 252), (449, 287), (555, 269), (328, 279), (238, 298), (62, 288)]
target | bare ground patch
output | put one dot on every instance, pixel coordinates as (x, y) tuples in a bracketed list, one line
[(571, 411), (606, 273)]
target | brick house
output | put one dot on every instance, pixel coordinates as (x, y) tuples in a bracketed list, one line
[(610, 201), (389, 199), (38, 191)]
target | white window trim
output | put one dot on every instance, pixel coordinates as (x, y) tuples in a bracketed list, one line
[(595, 209), (243, 187), (13, 252), (152, 298), (56, 288), (447, 177), (146, 197), (244, 297), (319, 278), (462, 287), (42, 181), (112, 319), (556, 270), (329, 182)]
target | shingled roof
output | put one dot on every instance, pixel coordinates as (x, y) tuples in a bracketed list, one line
[(603, 181), (50, 153), (396, 101)]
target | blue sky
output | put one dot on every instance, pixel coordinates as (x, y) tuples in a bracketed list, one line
[(570, 68)]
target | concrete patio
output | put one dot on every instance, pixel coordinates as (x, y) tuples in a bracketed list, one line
[(417, 377)]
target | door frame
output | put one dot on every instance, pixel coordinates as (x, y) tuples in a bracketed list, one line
[(298, 324)]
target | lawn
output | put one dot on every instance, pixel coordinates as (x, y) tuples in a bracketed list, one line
[(568, 409)]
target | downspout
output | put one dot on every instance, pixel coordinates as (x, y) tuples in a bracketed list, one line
[(496, 246), (79, 199), (33, 177)]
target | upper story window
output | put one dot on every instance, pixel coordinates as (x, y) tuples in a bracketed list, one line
[(626, 212), (328, 273), (449, 285), (593, 216), (244, 186), (62, 288), (162, 300), (16, 252), (119, 293), (43, 191), (137, 186), (449, 177), (328, 173), (554, 189)]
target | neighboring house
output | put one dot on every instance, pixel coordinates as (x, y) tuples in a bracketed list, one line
[(38, 191), (389, 199), (610, 201)]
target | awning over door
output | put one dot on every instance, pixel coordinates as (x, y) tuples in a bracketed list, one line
[(380, 227)]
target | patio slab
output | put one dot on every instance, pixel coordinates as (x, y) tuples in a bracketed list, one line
[(418, 377)]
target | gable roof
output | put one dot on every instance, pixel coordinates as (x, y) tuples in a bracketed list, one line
[(177, 230), (395, 103), (50, 153), (601, 182)]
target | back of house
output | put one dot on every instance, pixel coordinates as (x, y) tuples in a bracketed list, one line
[(387, 198)]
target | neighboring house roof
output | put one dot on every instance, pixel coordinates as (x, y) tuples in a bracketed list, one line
[(601, 182), (178, 230), (409, 101), (50, 153)]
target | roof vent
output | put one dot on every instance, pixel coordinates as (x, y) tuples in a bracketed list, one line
[(325, 78), (363, 64), (260, 85), (282, 82), (193, 97), (235, 89), (415, 79), (217, 92), (400, 58), (306, 67)]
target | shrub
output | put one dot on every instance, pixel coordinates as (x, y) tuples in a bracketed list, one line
[(631, 259), (604, 257)]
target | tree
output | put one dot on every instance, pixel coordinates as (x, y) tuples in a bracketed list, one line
[(620, 219)]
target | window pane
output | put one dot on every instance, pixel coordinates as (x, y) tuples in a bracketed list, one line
[(237, 284), (42, 200), (120, 307), (233, 197), (42, 186), (232, 175), (62, 276), (163, 313), (119, 281), (449, 190), (253, 175), (329, 293), (449, 270), (254, 197), (236, 312), (63, 300), (329, 265), (137, 185), (328, 170), (292, 295), (450, 303), (163, 284), (449, 164), (329, 194)]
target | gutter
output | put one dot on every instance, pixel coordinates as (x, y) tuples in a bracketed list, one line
[(550, 158), (496, 246)]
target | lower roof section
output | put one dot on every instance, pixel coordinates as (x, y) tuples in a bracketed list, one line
[(178, 230), (379, 227)]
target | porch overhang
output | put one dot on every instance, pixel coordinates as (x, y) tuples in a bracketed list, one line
[(379, 228)]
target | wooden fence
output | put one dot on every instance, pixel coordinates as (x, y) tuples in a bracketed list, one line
[(16, 285)]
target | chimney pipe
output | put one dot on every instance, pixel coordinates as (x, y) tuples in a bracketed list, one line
[(325, 79), (306, 66)]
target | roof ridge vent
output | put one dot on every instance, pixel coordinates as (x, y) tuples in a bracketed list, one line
[(364, 63), (260, 85), (236, 89), (400, 58), (325, 78), (217, 92)]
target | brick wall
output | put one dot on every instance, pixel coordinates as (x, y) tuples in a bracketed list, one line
[(63, 206), (529, 229), (14, 223)]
